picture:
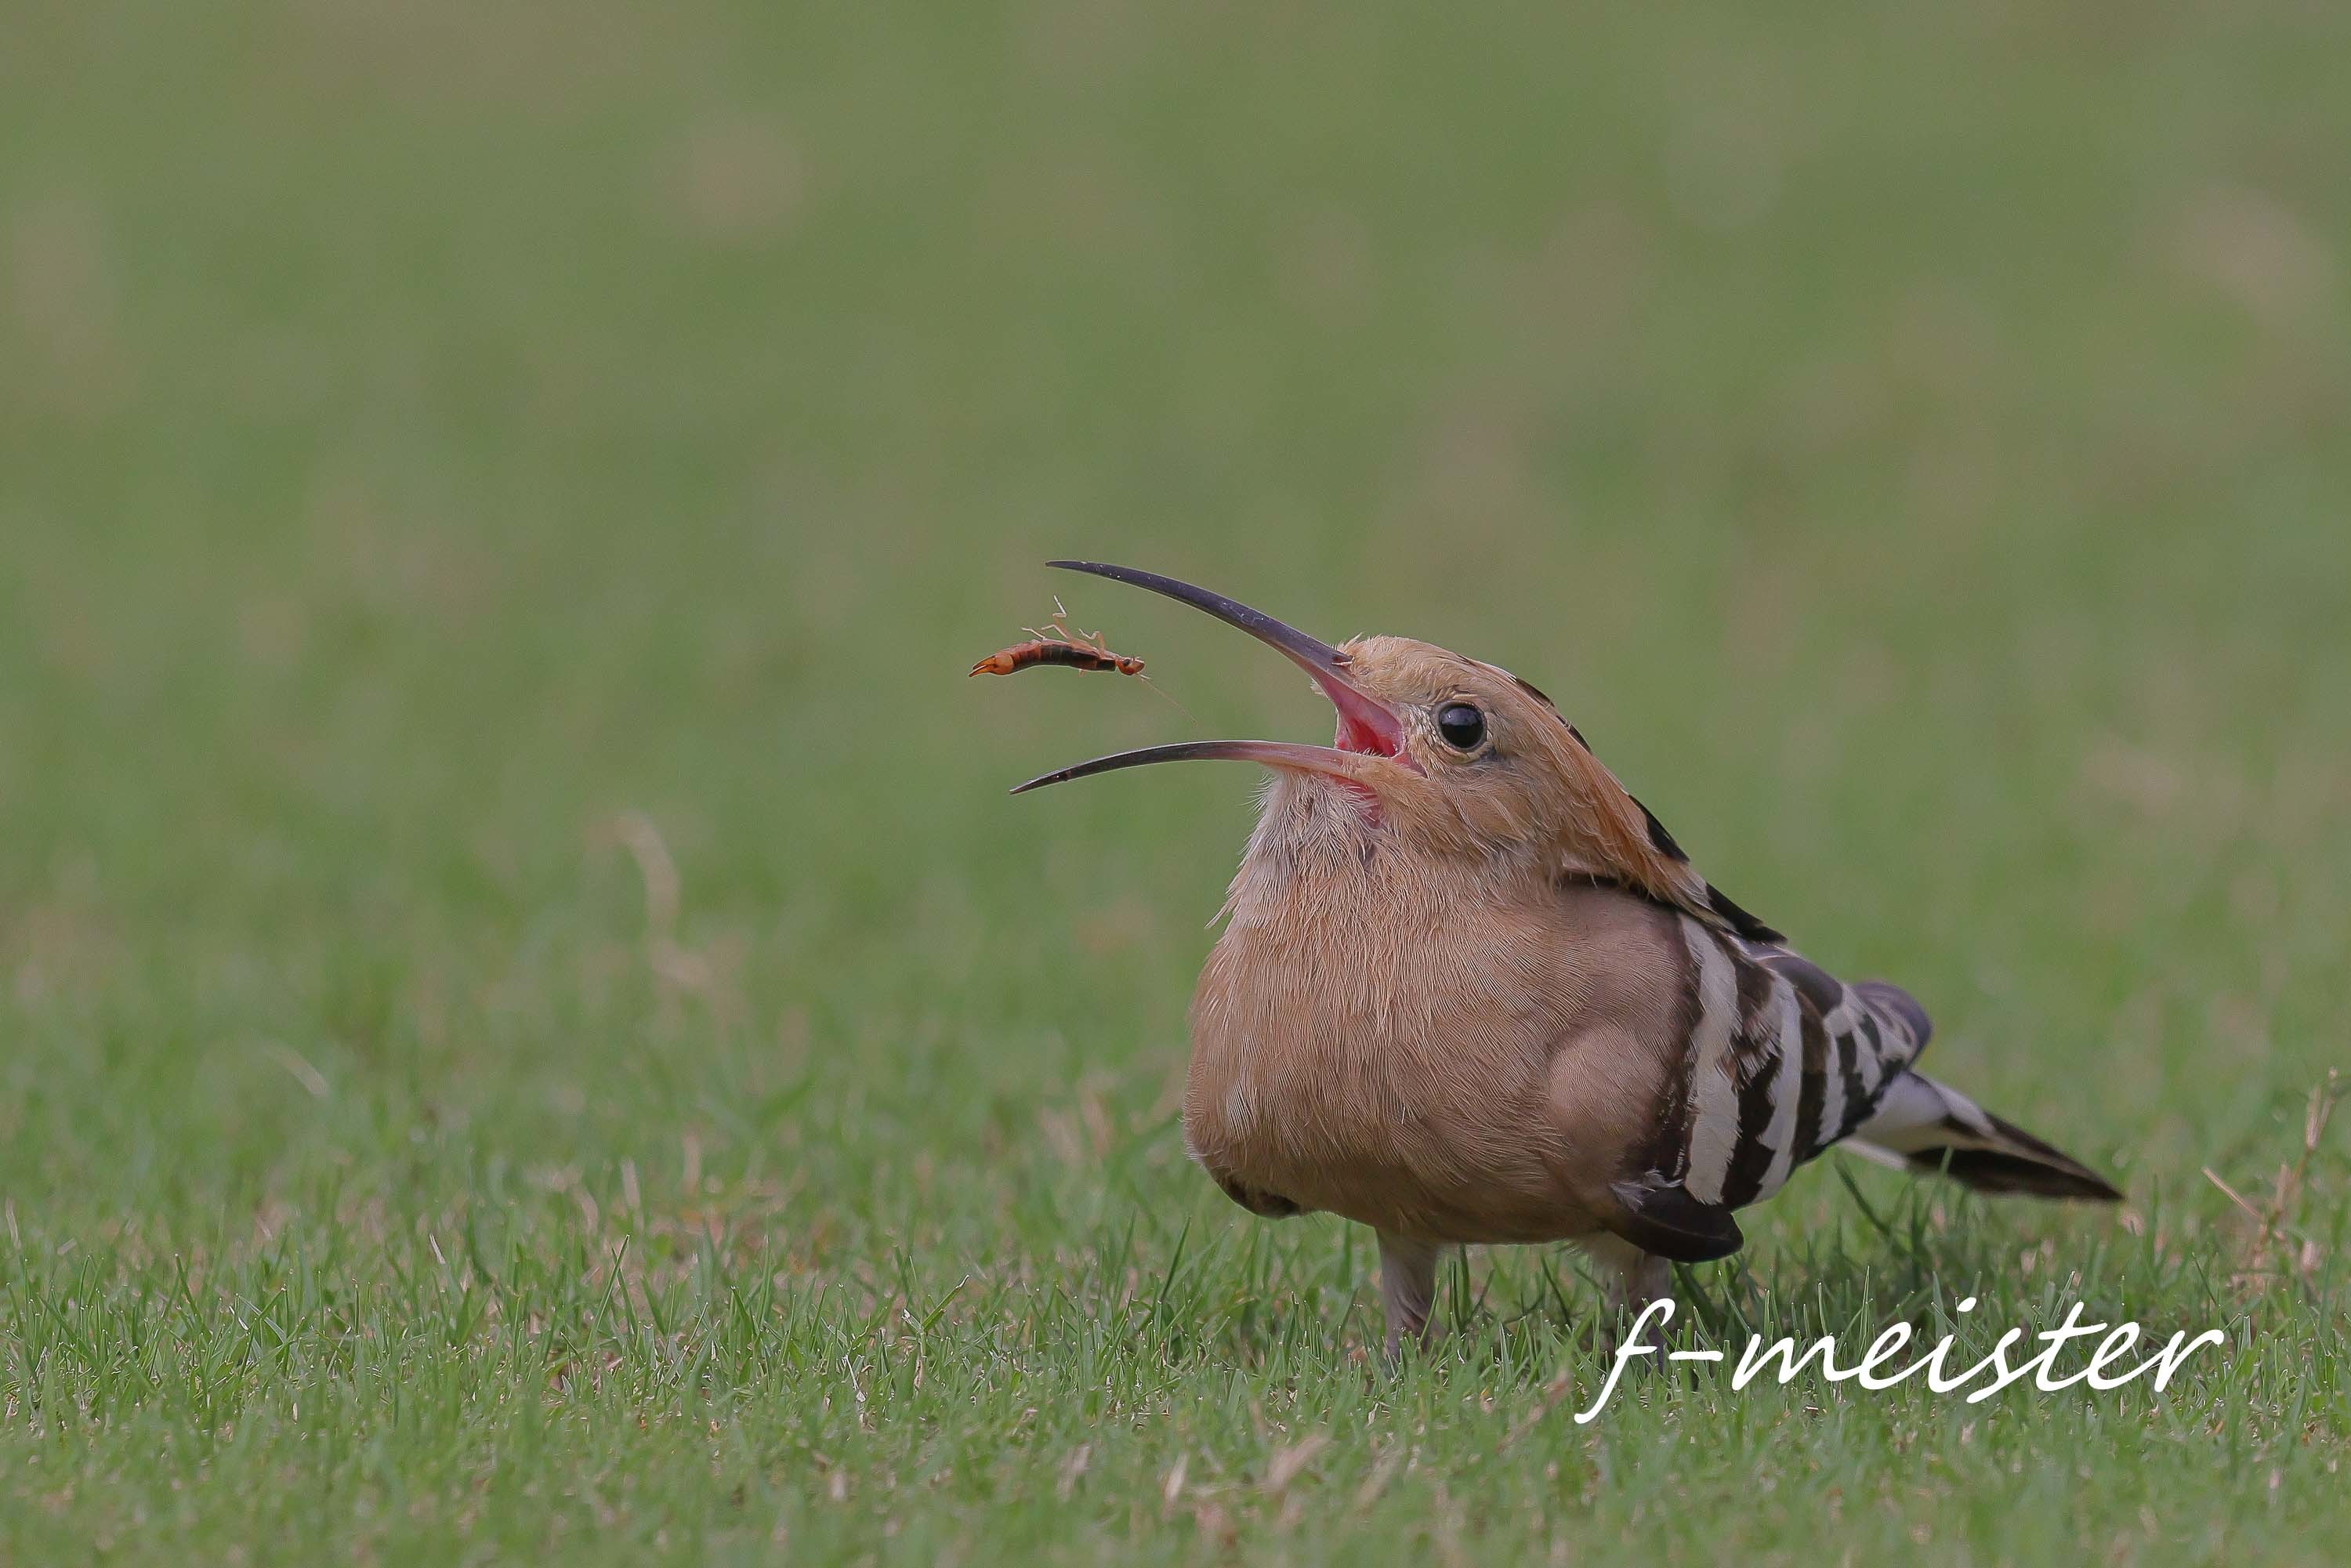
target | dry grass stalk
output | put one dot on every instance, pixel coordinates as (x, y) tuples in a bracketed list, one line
[(2297, 1254)]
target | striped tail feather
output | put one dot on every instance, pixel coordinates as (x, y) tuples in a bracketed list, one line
[(1784, 1062), (1930, 1127)]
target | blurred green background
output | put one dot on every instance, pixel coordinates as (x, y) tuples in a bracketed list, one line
[(457, 458)]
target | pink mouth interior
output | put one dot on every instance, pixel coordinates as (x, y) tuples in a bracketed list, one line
[(1355, 735), (1367, 728), (1365, 725)]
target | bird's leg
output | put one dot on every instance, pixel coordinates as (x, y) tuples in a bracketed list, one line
[(1641, 1279), (1630, 1279), (1407, 1287)]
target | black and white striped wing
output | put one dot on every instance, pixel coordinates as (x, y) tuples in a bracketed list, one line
[(1782, 1060)]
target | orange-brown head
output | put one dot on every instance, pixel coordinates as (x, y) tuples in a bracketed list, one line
[(1453, 756)]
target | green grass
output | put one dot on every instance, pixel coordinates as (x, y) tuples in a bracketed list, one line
[(438, 440)]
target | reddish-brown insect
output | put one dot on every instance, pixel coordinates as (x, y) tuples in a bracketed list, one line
[(1049, 651), (1071, 650)]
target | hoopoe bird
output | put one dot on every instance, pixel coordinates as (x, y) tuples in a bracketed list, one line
[(1470, 990)]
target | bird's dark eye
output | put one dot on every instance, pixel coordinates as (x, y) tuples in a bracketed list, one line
[(1462, 726)]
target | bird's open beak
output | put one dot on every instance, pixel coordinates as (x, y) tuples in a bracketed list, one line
[(1367, 726)]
